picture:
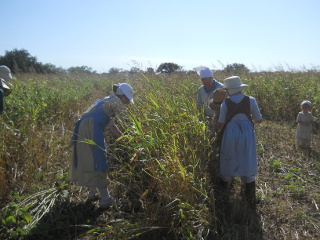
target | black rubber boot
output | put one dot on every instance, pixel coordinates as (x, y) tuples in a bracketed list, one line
[(223, 185), (251, 194), (223, 193)]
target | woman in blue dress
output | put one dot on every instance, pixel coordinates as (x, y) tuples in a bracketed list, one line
[(89, 163), (238, 153)]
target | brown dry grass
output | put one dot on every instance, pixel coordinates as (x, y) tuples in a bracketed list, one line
[(288, 184)]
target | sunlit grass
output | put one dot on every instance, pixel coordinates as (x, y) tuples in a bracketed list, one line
[(162, 166)]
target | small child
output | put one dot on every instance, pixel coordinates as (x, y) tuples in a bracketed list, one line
[(304, 127)]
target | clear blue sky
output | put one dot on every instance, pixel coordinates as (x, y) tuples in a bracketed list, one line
[(262, 34)]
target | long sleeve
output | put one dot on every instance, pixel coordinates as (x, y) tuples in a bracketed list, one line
[(254, 109)]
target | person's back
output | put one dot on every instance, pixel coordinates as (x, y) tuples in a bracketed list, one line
[(238, 154)]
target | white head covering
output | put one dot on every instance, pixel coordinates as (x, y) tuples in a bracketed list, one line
[(234, 84), (4, 86), (306, 102), (204, 72), (125, 89), (5, 73)]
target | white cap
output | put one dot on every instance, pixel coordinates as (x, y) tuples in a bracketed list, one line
[(5, 73), (204, 72), (126, 89), (3, 84)]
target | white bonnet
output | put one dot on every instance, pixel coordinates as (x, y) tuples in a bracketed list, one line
[(5, 73), (306, 102), (204, 72), (125, 89)]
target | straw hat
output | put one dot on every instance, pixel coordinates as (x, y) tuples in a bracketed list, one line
[(218, 96), (234, 84)]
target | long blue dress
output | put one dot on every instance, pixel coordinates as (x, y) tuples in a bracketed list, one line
[(89, 163), (238, 154)]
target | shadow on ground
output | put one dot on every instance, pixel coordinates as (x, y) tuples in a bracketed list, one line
[(67, 221), (234, 218)]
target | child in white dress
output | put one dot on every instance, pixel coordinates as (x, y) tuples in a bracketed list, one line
[(304, 127)]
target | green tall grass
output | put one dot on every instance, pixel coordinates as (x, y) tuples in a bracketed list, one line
[(37, 121), (162, 168)]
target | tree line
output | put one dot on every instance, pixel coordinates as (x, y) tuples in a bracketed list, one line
[(21, 61)]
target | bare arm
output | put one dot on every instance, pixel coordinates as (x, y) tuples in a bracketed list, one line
[(114, 129)]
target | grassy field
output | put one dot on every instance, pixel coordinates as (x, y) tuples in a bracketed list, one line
[(164, 167)]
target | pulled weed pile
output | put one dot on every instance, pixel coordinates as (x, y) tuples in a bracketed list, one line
[(164, 167)]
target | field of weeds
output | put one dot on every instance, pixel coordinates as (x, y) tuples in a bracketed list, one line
[(163, 169)]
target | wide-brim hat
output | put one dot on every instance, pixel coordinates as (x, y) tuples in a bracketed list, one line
[(5, 73), (233, 82)]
